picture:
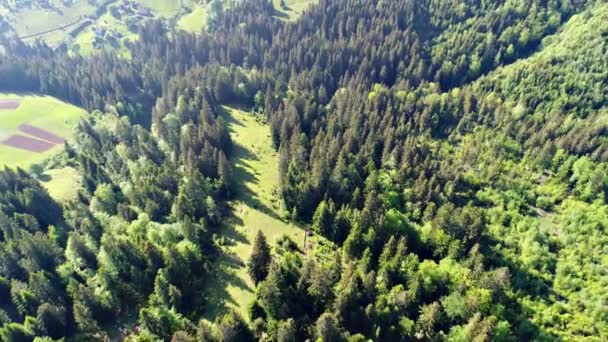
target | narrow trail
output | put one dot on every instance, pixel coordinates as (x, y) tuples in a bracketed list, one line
[(255, 167)]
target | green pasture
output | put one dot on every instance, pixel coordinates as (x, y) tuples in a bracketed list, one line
[(44, 112), (256, 171), (35, 21), (193, 21), (62, 183)]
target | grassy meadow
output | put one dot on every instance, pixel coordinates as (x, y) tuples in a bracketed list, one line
[(62, 183), (34, 21), (193, 21), (256, 171)]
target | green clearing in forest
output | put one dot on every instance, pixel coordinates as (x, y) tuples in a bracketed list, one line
[(193, 21), (63, 183), (256, 172), (44, 112), (293, 8)]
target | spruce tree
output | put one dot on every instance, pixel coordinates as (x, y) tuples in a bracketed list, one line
[(259, 259)]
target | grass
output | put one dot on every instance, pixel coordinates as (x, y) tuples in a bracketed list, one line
[(256, 172), (181, 13), (34, 20), (166, 8), (63, 184), (83, 43), (293, 8), (41, 111), (46, 24), (193, 21)]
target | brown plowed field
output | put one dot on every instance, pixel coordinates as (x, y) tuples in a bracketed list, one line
[(28, 144), (41, 134), (9, 104)]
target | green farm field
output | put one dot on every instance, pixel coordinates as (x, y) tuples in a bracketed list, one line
[(43, 112), (256, 173), (50, 21), (54, 23)]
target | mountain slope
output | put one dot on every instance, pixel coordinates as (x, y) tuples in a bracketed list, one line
[(558, 94)]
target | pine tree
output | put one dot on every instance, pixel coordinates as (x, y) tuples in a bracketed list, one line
[(233, 328), (322, 220), (259, 260)]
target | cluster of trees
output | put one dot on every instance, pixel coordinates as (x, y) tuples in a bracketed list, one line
[(139, 237), (451, 205), (76, 273), (463, 176)]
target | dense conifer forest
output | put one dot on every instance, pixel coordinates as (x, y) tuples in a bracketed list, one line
[(451, 158)]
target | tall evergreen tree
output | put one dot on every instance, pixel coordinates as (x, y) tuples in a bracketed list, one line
[(260, 258)]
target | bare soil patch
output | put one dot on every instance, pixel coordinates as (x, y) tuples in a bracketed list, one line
[(41, 134), (28, 144), (9, 104)]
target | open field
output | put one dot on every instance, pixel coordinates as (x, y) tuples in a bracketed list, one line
[(34, 130), (62, 184), (48, 23), (256, 171), (28, 144), (193, 21), (41, 134), (9, 104)]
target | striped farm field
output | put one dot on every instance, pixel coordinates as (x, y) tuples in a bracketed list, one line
[(34, 127)]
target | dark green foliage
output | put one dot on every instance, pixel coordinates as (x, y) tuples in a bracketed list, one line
[(159, 321), (232, 328), (451, 157), (14, 332), (53, 320), (326, 329), (260, 259)]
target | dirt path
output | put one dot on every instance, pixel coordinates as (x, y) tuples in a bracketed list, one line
[(255, 166)]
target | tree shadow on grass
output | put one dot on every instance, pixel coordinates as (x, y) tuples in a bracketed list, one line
[(281, 13), (230, 120), (243, 176), (248, 191), (242, 154), (255, 203), (230, 233), (224, 276)]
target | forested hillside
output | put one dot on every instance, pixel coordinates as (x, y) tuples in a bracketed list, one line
[(449, 159)]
